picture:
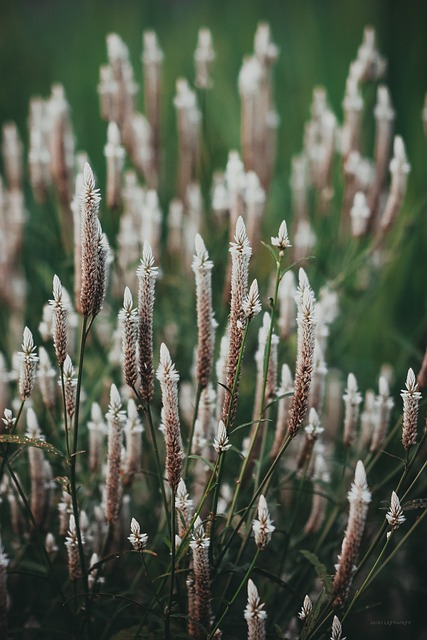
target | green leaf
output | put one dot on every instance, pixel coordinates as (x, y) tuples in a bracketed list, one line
[(196, 457), (31, 442), (320, 569)]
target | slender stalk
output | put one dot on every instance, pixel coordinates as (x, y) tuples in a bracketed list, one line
[(40, 541), (264, 386), (256, 495), (367, 579), (236, 593), (73, 462), (193, 425), (149, 420), (5, 448), (172, 573)]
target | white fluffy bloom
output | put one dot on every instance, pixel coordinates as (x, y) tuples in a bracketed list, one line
[(221, 442), (263, 527), (137, 539)]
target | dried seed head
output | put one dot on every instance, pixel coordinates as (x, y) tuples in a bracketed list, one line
[(129, 322), (395, 515), (263, 527), (147, 274)]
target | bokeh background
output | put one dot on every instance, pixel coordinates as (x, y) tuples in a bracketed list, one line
[(43, 42)]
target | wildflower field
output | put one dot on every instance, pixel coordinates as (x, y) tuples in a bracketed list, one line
[(213, 318)]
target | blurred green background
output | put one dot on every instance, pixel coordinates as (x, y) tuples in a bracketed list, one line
[(42, 42)]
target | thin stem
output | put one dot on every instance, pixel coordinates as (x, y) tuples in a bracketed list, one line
[(73, 462), (367, 579), (149, 420), (257, 493), (64, 404), (40, 541), (236, 593), (172, 573), (5, 448), (193, 425)]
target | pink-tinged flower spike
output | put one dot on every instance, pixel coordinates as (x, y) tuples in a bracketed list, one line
[(4, 596), (115, 419), (183, 507), (352, 399), (394, 515), (202, 608), (305, 609), (281, 241), (221, 442), (359, 214), (359, 498), (336, 630), (168, 378), (70, 385), (137, 539), (204, 55), (240, 255), (97, 430), (71, 542), (147, 274), (129, 324), (103, 264), (152, 60), (286, 389), (28, 365), (59, 322), (89, 208), (411, 398), (202, 268), (46, 377), (36, 462), (114, 154), (263, 527), (384, 404), (255, 615), (399, 169), (305, 354), (133, 431)]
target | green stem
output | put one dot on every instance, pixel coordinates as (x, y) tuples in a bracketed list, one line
[(73, 462), (56, 585), (257, 493), (236, 593), (149, 420), (367, 579), (5, 448), (193, 426), (67, 435), (172, 573)]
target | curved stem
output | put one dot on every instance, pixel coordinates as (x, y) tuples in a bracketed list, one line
[(193, 425)]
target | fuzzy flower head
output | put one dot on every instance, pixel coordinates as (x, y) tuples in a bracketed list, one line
[(281, 241), (254, 607), (166, 369), (8, 419), (201, 257), (146, 267), (221, 442), (114, 408), (411, 398), (199, 538), (137, 539), (251, 303), (336, 630), (306, 608), (28, 364), (241, 241), (263, 527), (359, 488), (395, 515)]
